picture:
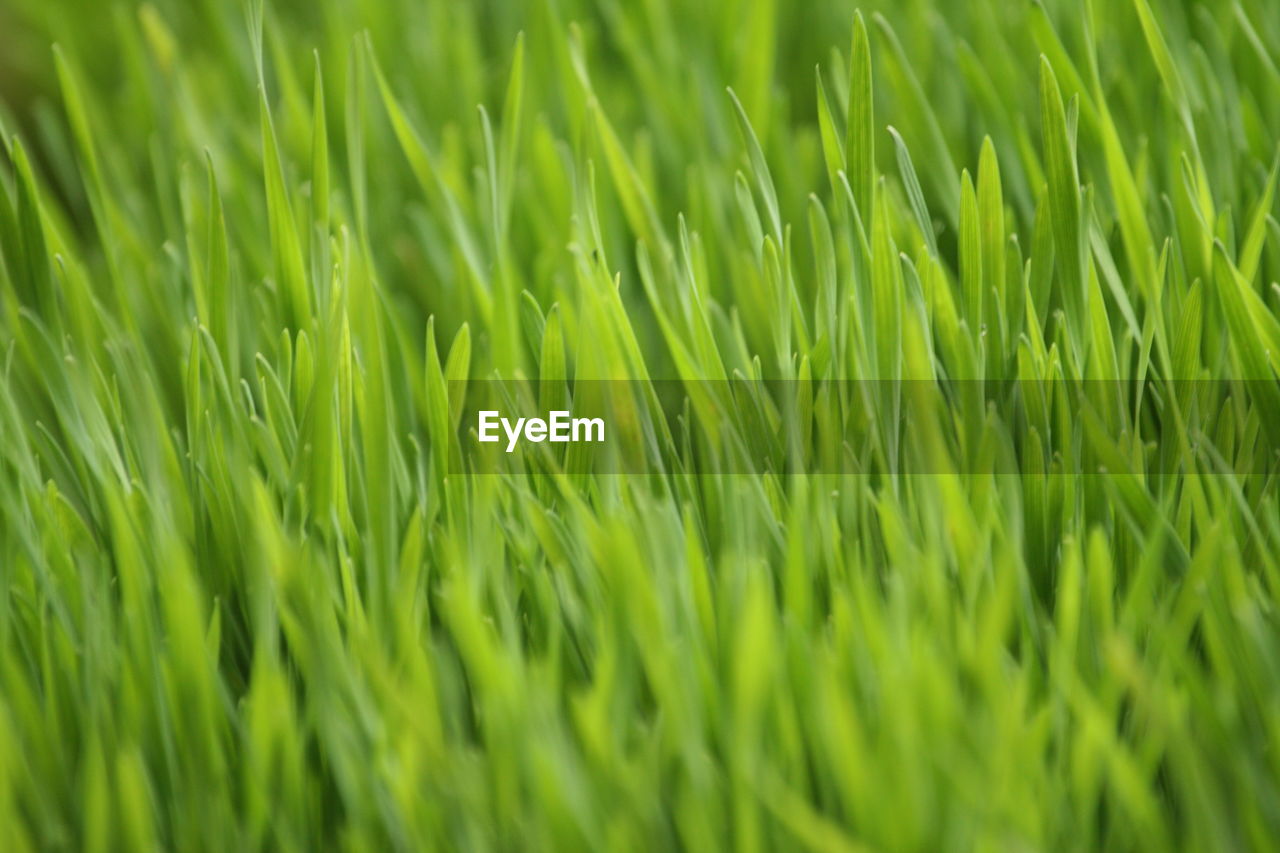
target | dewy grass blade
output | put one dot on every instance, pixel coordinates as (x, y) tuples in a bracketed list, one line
[(1256, 235), (832, 149), (1064, 205), (859, 146), (914, 194), (991, 218), (1160, 53), (760, 167), (971, 254), (33, 273), (938, 151), (320, 194), (285, 247)]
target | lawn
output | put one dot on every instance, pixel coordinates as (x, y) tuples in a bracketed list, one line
[(935, 349)]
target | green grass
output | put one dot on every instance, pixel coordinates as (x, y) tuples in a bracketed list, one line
[(255, 593)]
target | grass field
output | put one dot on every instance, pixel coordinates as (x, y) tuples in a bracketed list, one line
[(256, 593)]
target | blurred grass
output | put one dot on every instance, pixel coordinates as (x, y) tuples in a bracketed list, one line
[(250, 254)]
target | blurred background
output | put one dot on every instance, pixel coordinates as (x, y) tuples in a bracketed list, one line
[(659, 69), (637, 51)]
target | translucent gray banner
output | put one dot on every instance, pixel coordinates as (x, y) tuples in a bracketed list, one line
[(742, 426)]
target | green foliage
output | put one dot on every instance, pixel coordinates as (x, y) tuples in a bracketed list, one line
[(252, 260)]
